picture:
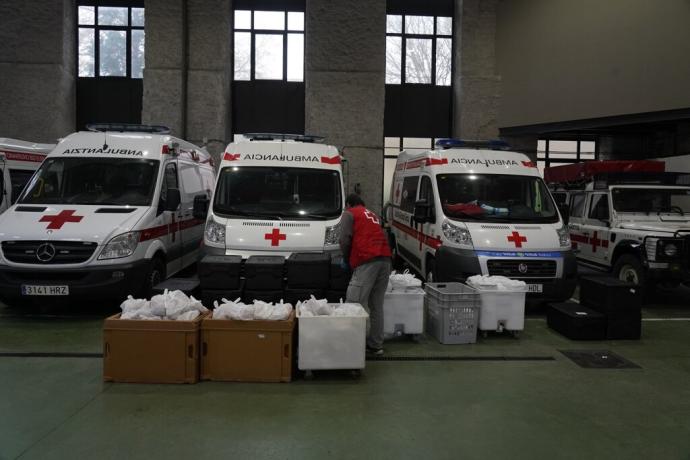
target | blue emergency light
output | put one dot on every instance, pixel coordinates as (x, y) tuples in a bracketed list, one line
[(492, 144)]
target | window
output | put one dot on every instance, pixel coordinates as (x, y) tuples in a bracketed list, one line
[(599, 207), (18, 179), (111, 41), (553, 152), (426, 193), (409, 193), (392, 147), (169, 181), (269, 45), (577, 204), (419, 49)]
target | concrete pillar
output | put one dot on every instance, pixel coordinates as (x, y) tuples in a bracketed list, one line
[(38, 67), (345, 86), (476, 83)]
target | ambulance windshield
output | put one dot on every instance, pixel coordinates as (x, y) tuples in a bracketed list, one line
[(496, 198), (280, 193), (93, 181), (651, 200)]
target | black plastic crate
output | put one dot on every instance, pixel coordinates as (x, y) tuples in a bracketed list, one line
[(209, 295), (189, 286), (340, 277), (334, 296), (300, 295), (220, 272), (624, 328), (264, 273), (576, 321), (263, 295), (308, 270), (610, 296)]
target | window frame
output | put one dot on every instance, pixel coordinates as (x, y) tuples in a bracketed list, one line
[(571, 203), (545, 155), (96, 28), (591, 206)]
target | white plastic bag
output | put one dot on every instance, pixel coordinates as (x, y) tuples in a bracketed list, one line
[(495, 283), (188, 315), (271, 312), (348, 309), (315, 307), (402, 281), (132, 304)]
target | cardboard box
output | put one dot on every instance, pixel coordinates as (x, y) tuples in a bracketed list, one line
[(247, 351), (151, 351)]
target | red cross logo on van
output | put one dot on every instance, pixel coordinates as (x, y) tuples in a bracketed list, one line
[(60, 219), (276, 237), (518, 239)]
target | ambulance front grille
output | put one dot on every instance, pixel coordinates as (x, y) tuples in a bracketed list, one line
[(531, 268), (63, 252)]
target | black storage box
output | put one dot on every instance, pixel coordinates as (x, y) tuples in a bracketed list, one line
[(189, 286), (296, 295), (576, 322), (209, 295), (624, 327), (264, 273), (220, 272), (308, 270), (273, 296), (340, 277), (610, 296), (336, 296)]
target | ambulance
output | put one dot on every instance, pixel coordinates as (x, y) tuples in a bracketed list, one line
[(18, 161), (471, 207), (275, 194), (108, 213), (629, 218)]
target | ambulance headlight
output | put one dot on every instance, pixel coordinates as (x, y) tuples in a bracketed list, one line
[(215, 232), (332, 237), (120, 246), (564, 237), (456, 234)]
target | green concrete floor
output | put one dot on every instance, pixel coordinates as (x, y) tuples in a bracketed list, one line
[(60, 408)]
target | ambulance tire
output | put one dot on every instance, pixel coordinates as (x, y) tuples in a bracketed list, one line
[(155, 275), (629, 268)]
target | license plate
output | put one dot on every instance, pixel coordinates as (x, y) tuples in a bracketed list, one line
[(30, 289), (535, 288)]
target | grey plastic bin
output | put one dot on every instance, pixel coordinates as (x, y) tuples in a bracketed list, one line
[(452, 311)]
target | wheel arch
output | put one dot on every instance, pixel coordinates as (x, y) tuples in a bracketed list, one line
[(627, 247)]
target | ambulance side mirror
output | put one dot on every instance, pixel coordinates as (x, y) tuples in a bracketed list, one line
[(200, 207), (172, 199), (564, 209), (422, 212)]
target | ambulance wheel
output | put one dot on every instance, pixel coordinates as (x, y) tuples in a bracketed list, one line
[(155, 275), (629, 268)]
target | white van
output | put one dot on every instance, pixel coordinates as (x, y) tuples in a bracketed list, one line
[(464, 209), (18, 161), (275, 194), (109, 213)]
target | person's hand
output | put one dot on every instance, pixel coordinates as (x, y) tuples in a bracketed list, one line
[(344, 265)]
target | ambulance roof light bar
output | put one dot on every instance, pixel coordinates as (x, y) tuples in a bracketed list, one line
[(128, 128), (491, 144), (309, 138)]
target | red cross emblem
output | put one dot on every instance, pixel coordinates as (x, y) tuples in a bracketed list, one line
[(276, 237), (596, 242), (517, 239), (60, 219)]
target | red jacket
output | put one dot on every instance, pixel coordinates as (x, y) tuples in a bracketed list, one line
[(368, 238)]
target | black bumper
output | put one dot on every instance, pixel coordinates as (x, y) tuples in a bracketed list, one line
[(454, 264), (100, 283)]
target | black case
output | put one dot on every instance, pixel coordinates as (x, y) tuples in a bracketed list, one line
[(264, 273), (335, 296), (296, 295), (308, 270), (267, 296), (576, 322), (610, 296), (209, 295), (189, 286), (624, 327), (220, 272), (339, 278)]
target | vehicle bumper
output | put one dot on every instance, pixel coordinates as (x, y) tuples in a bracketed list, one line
[(111, 282), (668, 272), (453, 264)]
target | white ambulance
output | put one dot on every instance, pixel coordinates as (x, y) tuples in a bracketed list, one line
[(275, 194), (109, 213), (470, 208), (18, 161)]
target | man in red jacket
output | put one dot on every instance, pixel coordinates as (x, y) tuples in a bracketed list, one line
[(365, 249)]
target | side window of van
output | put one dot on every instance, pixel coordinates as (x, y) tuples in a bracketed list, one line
[(191, 179), (169, 181), (599, 207), (409, 193), (426, 192), (560, 197), (577, 204), (19, 178)]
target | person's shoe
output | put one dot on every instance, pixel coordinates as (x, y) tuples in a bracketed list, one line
[(374, 351)]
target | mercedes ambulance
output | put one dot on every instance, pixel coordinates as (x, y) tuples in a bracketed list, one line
[(470, 208), (108, 213), (18, 161), (629, 218), (275, 194)]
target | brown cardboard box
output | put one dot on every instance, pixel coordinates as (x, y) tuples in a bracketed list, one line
[(247, 351), (155, 351)]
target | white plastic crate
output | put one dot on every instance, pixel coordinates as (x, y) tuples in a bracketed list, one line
[(502, 310), (331, 342), (403, 312)]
